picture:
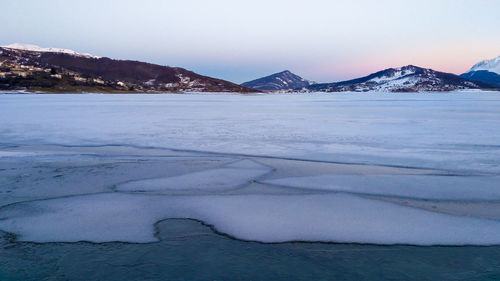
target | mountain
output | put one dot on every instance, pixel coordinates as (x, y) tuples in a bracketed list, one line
[(492, 65), (487, 71), (281, 81), (29, 67), (483, 76), (404, 79)]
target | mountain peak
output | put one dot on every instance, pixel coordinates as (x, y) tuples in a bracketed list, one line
[(35, 48), (492, 65), (410, 67), (281, 81)]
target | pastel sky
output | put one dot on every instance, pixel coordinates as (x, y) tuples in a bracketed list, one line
[(321, 40)]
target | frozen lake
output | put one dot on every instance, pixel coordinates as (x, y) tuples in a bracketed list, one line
[(377, 169), (452, 131)]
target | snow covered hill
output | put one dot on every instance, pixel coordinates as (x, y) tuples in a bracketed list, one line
[(404, 79)]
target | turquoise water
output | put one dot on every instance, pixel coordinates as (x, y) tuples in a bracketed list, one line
[(193, 251)]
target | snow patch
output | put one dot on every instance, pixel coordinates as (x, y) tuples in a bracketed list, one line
[(282, 81), (35, 48)]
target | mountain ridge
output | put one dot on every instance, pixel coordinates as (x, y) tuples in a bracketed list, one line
[(483, 76), (33, 68), (68, 71), (408, 78)]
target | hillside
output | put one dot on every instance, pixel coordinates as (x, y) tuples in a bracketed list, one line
[(52, 70)]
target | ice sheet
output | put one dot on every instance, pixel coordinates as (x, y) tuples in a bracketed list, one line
[(227, 177), (451, 131), (329, 218), (414, 186)]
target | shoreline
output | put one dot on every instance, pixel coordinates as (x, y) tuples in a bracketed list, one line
[(243, 93)]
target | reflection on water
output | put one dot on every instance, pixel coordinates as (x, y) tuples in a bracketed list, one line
[(189, 250)]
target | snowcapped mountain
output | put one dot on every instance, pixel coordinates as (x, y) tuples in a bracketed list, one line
[(403, 79), (29, 68), (35, 48), (281, 81), (492, 65), (487, 71)]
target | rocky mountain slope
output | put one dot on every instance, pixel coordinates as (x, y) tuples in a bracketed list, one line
[(58, 70), (404, 79), (281, 81)]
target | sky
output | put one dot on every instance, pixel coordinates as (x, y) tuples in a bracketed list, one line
[(324, 41)]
